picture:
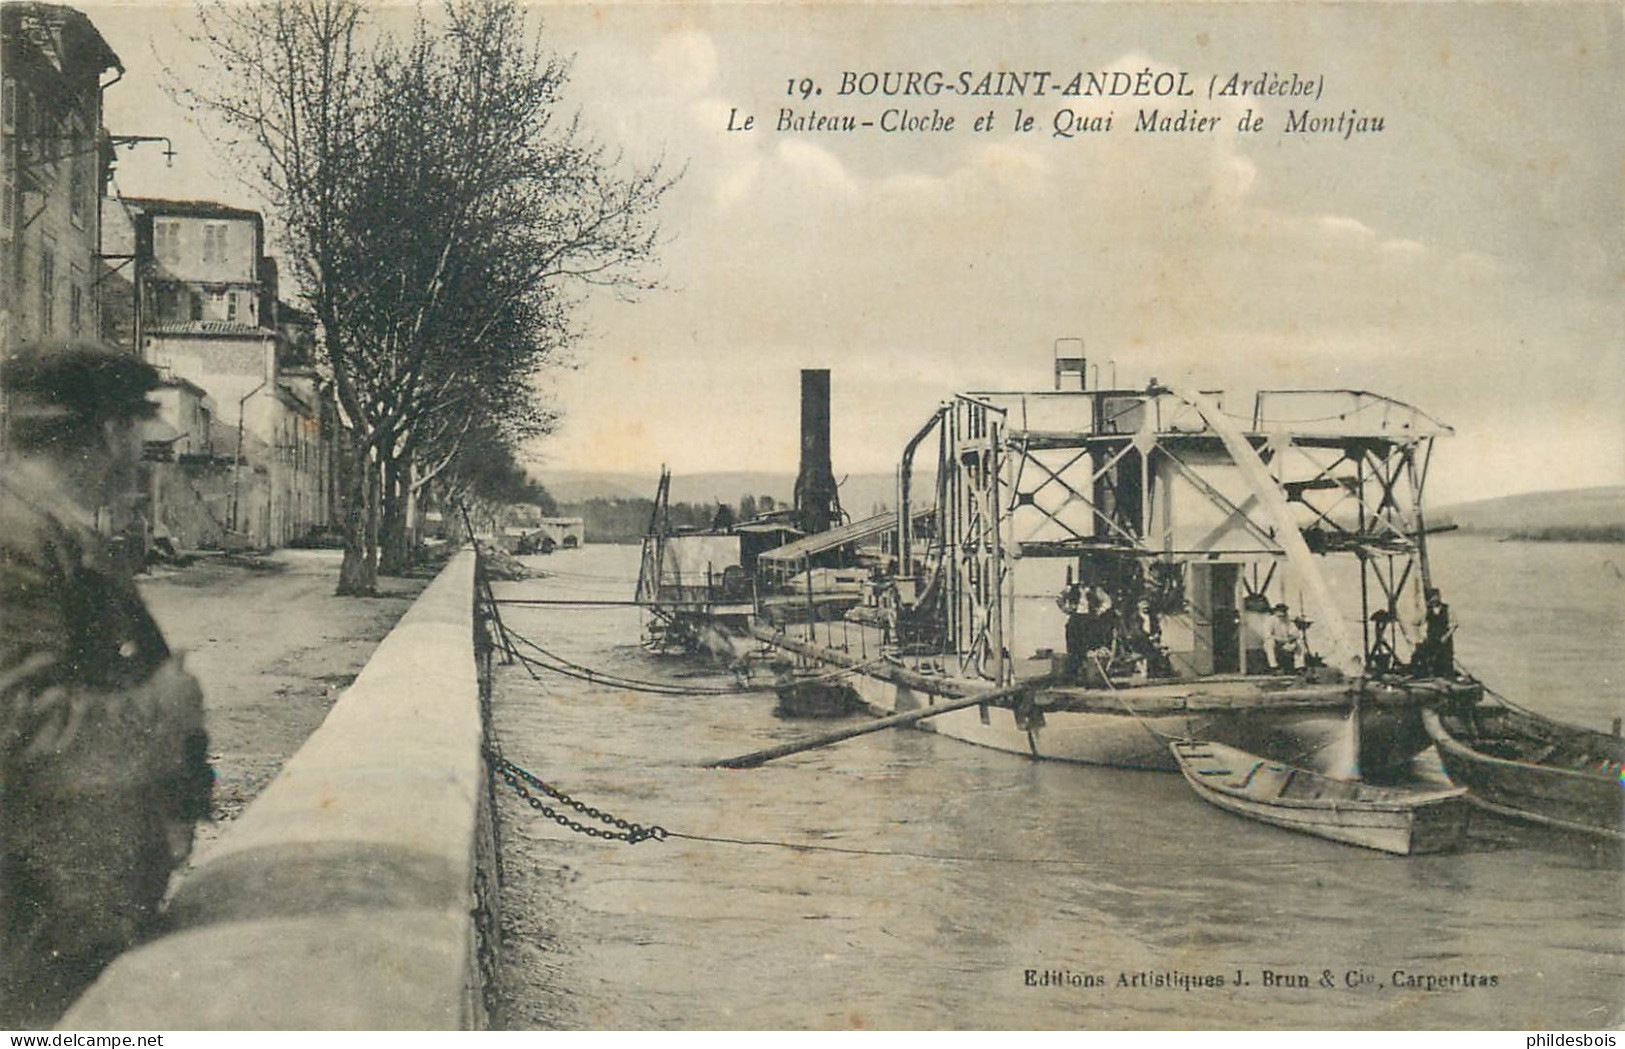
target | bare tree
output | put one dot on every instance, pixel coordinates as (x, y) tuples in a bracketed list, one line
[(444, 219)]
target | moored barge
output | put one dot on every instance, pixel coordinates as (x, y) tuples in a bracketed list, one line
[(1150, 568)]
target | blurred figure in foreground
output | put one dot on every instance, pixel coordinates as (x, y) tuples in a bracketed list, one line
[(103, 756)]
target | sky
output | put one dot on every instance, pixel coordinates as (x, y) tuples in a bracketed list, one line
[(1469, 258)]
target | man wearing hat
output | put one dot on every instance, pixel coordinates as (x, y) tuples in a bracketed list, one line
[(103, 757), (1382, 657), (1435, 655)]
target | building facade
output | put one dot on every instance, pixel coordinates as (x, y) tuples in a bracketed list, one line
[(567, 533), (241, 453), (54, 160), (204, 310)]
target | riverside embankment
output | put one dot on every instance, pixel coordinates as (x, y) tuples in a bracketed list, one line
[(347, 894), (273, 648)]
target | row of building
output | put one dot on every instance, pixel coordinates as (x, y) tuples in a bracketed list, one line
[(243, 450)]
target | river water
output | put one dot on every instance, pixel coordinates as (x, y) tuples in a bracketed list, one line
[(904, 880)]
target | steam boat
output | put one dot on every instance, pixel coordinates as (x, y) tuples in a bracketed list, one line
[(1143, 564)]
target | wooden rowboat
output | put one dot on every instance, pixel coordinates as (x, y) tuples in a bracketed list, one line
[(1527, 767), (1391, 819), (809, 693)]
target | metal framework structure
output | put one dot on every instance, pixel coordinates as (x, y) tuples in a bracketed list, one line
[(1160, 477), (651, 564)]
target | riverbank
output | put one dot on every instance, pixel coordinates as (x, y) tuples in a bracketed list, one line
[(273, 648)]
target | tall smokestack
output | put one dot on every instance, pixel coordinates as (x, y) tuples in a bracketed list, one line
[(818, 505)]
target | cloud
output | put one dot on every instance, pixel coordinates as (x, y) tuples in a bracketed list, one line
[(815, 170), (1342, 227), (1009, 168), (1404, 248), (737, 183), (914, 267), (687, 60)]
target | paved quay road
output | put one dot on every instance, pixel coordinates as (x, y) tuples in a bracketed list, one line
[(273, 647)]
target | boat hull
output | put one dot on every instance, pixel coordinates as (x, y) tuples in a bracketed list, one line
[(1584, 800), (1319, 736), (1400, 822), (816, 698), (1092, 739), (1302, 721)]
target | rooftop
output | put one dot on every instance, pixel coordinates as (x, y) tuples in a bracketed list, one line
[(206, 209), (63, 35), (212, 328)]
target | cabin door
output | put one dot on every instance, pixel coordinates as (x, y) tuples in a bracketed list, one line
[(1215, 620)]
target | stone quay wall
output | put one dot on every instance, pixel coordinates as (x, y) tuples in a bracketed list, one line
[(357, 892)]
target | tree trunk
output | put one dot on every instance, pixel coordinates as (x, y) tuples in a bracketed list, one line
[(416, 514), (358, 573), (395, 553), (375, 494)]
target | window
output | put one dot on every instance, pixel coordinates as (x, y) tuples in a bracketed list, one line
[(8, 104), (76, 308), (169, 303), (166, 241), (24, 120), (197, 306), (78, 172), (214, 242), (76, 190), (231, 307), (47, 290), (43, 125)]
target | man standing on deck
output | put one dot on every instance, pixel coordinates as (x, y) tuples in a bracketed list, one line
[(103, 757), (1436, 655), (1075, 627), (1090, 633), (1382, 657), (1258, 656), (1283, 642)]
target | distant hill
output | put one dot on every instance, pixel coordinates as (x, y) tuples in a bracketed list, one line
[(577, 486), (859, 492), (1591, 514)]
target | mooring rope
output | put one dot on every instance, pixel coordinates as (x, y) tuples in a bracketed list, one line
[(517, 778), (568, 668), (593, 679), (1121, 698), (570, 602), (840, 672), (1502, 698), (582, 673), (550, 573), (1506, 700), (1048, 861), (1190, 736), (507, 636)]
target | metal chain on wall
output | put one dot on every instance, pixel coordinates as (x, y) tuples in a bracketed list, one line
[(491, 636), (521, 781)]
